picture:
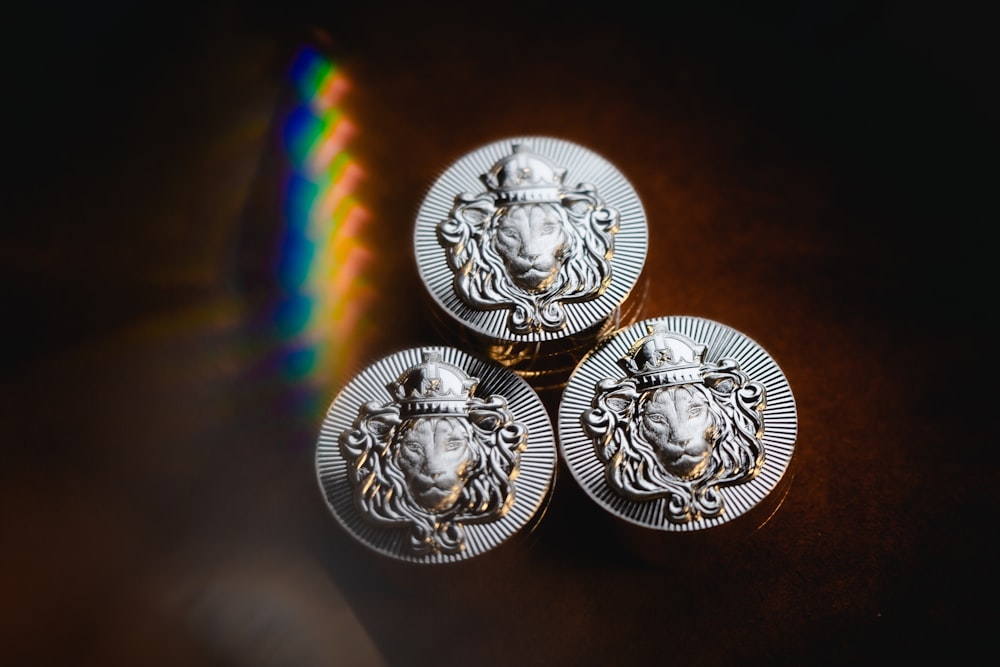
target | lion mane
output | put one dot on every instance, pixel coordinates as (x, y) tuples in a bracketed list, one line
[(380, 490), (482, 281), (631, 465)]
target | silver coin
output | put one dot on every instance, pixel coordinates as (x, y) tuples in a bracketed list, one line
[(431, 455), (531, 240), (678, 424)]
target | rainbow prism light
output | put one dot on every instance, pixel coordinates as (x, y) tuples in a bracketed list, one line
[(320, 315)]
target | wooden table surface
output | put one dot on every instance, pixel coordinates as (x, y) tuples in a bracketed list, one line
[(176, 324)]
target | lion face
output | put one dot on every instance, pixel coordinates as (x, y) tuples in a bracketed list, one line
[(531, 240), (435, 456), (677, 422)]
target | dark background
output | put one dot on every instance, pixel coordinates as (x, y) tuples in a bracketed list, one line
[(817, 175)]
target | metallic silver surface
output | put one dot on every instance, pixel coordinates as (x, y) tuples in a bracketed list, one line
[(431, 455), (678, 424), (531, 239)]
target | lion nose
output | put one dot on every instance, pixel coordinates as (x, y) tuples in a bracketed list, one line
[(678, 441)]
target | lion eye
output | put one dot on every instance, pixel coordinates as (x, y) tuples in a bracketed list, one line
[(549, 228), (655, 417), (412, 445), (508, 232), (695, 411), (452, 445)]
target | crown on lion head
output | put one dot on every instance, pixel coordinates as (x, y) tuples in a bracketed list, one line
[(433, 387), (525, 176), (663, 358)]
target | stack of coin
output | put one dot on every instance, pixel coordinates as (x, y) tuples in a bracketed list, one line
[(530, 250), (434, 456), (679, 425)]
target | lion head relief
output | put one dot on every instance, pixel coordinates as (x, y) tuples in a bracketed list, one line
[(677, 427), (435, 457), (529, 243)]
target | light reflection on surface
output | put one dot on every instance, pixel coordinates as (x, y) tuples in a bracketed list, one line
[(321, 314)]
